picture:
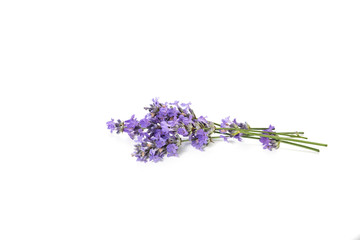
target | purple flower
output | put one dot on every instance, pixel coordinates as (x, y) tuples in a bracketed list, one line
[(172, 150), (172, 112), (131, 123), (227, 123), (176, 103), (164, 126), (267, 142), (182, 131), (199, 139), (225, 138), (241, 125), (153, 155), (202, 119), (186, 106), (132, 127), (111, 125), (173, 122), (144, 123), (238, 137), (115, 126), (270, 129), (185, 120), (156, 102), (160, 142), (140, 153), (163, 109)]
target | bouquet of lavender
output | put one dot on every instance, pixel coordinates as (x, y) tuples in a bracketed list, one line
[(167, 125)]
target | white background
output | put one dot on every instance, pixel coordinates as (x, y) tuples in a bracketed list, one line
[(67, 67)]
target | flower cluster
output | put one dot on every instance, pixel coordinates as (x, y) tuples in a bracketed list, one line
[(163, 129), (118, 126), (229, 129), (167, 125), (267, 142)]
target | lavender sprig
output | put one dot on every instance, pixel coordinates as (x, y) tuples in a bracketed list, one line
[(167, 125)]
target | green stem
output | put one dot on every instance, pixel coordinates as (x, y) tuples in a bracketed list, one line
[(272, 136), (293, 136), (286, 142), (251, 137), (289, 139), (276, 132), (297, 133), (251, 130), (300, 145), (222, 133)]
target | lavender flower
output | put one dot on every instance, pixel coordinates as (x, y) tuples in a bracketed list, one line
[(185, 120), (182, 131), (202, 119), (154, 155), (269, 143), (186, 106), (166, 125), (145, 122), (173, 112), (199, 139), (118, 126), (132, 122), (160, 142), (132, 127), (111, 125), (225, 138), (172, 150), (227, 123)]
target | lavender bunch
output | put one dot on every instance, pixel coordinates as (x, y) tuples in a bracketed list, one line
[(167, 125)]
